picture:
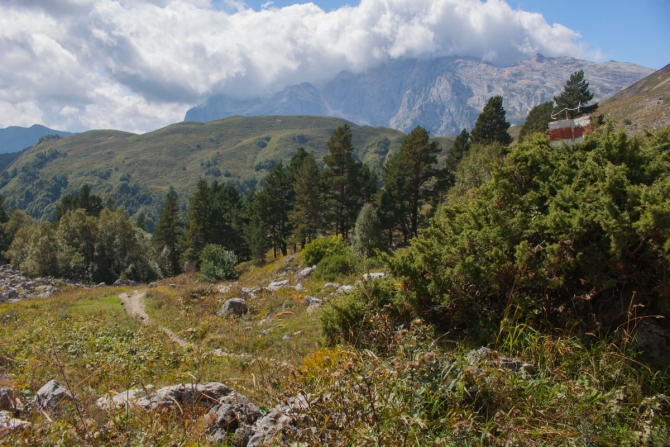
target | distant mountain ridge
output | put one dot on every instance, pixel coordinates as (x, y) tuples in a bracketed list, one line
[(443, 94), (16, 138)]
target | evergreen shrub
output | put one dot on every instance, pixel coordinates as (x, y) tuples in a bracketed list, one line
[(217, 264), (316, 250)]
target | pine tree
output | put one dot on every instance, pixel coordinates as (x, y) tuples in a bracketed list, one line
[(254, 233), (458, 150), (491, 126), (575, 92), (297, 161), (347, 184), (199, 220), (406, 177), (307, 214), (275, 202), (537, 121), (227, 219), (85, 200), (169, 232)]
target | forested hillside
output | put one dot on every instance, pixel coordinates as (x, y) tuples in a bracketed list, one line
[(136, 171)]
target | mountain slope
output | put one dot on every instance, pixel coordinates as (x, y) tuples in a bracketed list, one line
[(15, 138), (137, 170), (443, 95), (643, 105)]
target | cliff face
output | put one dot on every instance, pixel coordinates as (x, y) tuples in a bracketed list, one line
[(443, 95)]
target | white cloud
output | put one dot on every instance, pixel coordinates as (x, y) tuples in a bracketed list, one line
[(139, 64)]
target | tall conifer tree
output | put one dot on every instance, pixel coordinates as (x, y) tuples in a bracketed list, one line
[(306, 217), (168, 233), (199, 223), (576, 91), (491, 126)]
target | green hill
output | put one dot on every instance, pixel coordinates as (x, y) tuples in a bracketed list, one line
[(138, 170), (643, 105)]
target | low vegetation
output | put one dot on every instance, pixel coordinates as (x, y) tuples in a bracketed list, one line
[(516, 296)]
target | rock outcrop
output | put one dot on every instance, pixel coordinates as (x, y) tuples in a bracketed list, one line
[(234, 306), (443, 95), (51, 395)]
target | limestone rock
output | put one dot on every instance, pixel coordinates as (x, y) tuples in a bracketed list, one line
[(237, 306), (378, 275), (312, 303), (51, 395), (234, 414), (343, 290), (306, 273), (276, 285), (8, 422)]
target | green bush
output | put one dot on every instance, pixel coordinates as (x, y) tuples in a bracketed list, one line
[(316, 250), (557, 235), (217, 264), (334, 265), (344, 318)]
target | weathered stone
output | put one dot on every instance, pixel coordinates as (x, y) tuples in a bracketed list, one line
[(331, 285), (378, 275), (343, 290), (51, 395), (248, 293), (118, 282), (312, 303), (306, 272), (224, 288), (276, 285), (7, 399), (237, 306), (234, 414), (203, 395), (281, 419), (299, 287), (8, 422), (127, 398)]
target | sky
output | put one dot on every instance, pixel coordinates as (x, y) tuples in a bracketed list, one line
[(138, 65)]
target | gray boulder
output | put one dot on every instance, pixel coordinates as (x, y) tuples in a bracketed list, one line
[(306, 272), (7, 421), (124, 282), (280, 420), (653, 339), (276, 285), (378, 275), (312, 303), (51, 395), (235, 414), (236, 306), (343, 290), (205, 395)]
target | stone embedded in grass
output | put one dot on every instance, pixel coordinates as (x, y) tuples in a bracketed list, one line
[(8, 422), (124, 282), (248, 293), (236, 306), (312, 303), (235, 414), (51, 395), (7, 399), (306, 272), (299, 287), (224, 288), (330, 285), (276, 285), (378, 275), (343, 290)]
